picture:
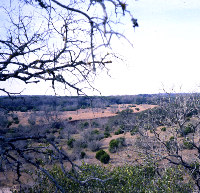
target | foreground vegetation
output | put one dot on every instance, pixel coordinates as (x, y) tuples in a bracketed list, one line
[(144, 178)]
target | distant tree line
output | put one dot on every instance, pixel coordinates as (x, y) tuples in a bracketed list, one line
[(65, 103)]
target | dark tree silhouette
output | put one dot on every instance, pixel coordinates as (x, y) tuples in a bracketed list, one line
[(58, 41)]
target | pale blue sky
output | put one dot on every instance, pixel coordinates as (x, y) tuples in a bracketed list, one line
[(166, 52)]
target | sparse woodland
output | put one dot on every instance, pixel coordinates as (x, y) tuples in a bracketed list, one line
[(137, 149), (151, 150)]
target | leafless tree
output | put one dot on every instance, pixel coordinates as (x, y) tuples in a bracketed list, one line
[(58, 41), (64, 42), (171, 132)]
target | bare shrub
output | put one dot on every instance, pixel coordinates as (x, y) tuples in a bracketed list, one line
[(94, 145), (91, 135), (81, 143), (142, 143)]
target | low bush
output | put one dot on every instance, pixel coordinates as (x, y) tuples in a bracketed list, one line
[(107, 128), (115, 144), (106, 134), (83, 154), (16, 120), (134, 130), (105, 158), (84, 124), (57, 125), (9, 124), (187, 144), (171, 144), (102, 156), (99, 154), (163, 129), (95, 124), (119, 131), (137, 109), (95, 132), (187, 130)]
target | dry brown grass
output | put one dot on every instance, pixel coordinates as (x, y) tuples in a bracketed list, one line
[(126, 155), (83, 114)]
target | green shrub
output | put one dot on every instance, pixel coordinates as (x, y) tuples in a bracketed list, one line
[(99, 154), (187, 130), (137, 109), (95, 124), (106, 134), (83, 154), (163, 129), (113, 145), (84, 124), (70, 118), (116, 143), (16, 120), (39, 161), (105, 158), (122, 127), (102, 156), (187, 144), (126, 112), (95, 132), (171, 144), (9, 123), (70, 142), (134, 130), (107, 128), (49, 151), (119, 131), (57, 125)]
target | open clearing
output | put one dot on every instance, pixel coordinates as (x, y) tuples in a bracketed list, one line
[(83, 114)]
